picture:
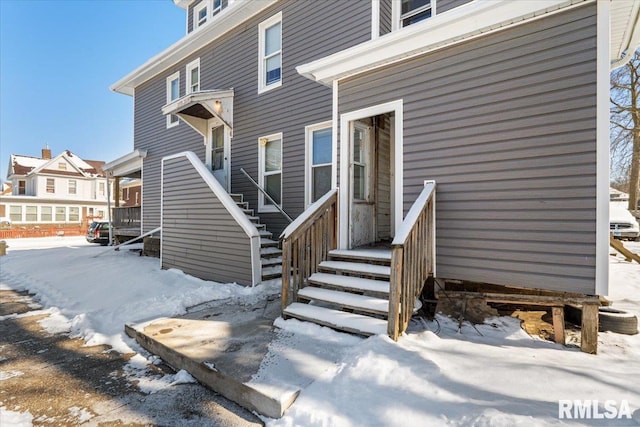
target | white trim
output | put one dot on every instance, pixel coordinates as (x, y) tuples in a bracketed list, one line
[(375, 19), (241, 219), (262, 27), (262, 207), (602, 148), (395, 15), (190, 67), (170, 79), (345, 118), (204, 4), (124, 165), (471, 20), (226, 152), (308, 159), (334, 136)]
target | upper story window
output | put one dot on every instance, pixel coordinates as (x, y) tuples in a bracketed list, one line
[(72, 186), (101, 189), (173, 93), (412, 11), (193, 76), (62, 166), (270, 54), (51, 185), (22, 187), (200, 14)]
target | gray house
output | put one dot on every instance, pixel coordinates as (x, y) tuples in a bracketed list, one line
[(466, 140)]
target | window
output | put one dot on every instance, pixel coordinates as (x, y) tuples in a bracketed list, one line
[(319, 161), (51, 185), (72, 186), (217, 7), (62, 166), (193, 76), (61, 214), (31, 213), (137, 197), (100, 214), (270, 55), (101, 189), (22, 187), (200, 14), (15, 213), (412, 11), (45, 213), (360, 161), (270, 173), (74, 214), (173, 93)]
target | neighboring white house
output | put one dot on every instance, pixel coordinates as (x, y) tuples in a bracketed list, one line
[(64, 189)]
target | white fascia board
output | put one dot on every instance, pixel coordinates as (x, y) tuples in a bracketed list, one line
[(130, 162), (183, 4), (464, 22), (232, 16)]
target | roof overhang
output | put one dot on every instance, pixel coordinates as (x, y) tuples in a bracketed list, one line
[(230, 17), (183, 4), (199, 108), (625, 31), (127, 165), (476, 18)]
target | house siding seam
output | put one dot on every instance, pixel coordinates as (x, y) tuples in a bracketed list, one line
[(506, 125), (231, 62), (199, 235)]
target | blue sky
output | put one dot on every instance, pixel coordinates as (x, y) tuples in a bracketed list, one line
[(57, 61)]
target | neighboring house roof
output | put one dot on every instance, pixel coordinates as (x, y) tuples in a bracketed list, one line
[(20, 165)]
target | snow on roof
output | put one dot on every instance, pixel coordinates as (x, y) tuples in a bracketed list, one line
[(23, 165)]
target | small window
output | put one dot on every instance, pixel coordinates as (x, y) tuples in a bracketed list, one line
[(270, 55), (173, 93), (101, 189), (319, 161), (74, 214), (216, 8), (45, 213), (193, 76), (270, 173), (360, 161), (61, 214), (412, 11), (51, 185), (15, 213), (137, 197), (31, 214), (100, 214), (72, 186), (200, 14), (22, 187), (62, 166)]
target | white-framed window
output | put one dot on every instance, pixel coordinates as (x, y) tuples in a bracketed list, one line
[(61, 213), (409, 12), (270, 53), (15, 213), (101, 189), (319, 159), (73, 184), (173, 93), (22, 186), (62, 166), (200, 14), (193, 76), (31, 214), (361, 161), (270, 171), (51, 185), (74, 214), (46, 214)]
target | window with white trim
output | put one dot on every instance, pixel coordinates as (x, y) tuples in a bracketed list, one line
[(51, 185), (360, 161), (173, 93), (15, 213), (193, 76), (270, 54), (74, 214), (73, 186), (319, 161), (412, 11), (61, 213), (45, 213), (101, 189), (270, 171), (31, 214), (216, 7), (200, 14), (62, 166), (22, 186)]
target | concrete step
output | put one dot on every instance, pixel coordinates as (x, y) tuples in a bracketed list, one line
[(356, 269), (346, 300), (379, 288), (336, 319)]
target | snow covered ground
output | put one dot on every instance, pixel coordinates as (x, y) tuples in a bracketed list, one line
[(491, 375)]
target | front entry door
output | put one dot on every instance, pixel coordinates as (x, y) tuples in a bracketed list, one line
[(219, 156), (363, 207)]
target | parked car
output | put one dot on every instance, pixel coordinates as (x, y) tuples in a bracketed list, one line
[(98, 232), (622, 224)]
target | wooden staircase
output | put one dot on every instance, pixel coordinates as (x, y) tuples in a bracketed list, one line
[(349, 292), (270, 254)]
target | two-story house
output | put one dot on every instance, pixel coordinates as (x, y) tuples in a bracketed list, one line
[(342, 115), (59, 190)]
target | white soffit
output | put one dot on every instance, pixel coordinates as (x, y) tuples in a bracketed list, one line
[(625, 31), (127, 164)]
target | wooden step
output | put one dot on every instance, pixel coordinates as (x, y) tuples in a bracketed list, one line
[(370, 256), (356, 268), (346, 300), (336, 319), (266, 262), (236, 197), (254, 219), (265, 235), (267, 243), (243, 205), (351, 284), (270, 252), (271, 272)]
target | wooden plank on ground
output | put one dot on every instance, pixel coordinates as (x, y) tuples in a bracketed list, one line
[(618, 246), (558, 324), (589, 335)]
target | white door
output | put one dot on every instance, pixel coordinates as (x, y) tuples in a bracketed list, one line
[(362, 188), (220, 155)]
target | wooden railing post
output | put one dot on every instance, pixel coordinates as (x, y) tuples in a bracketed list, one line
[(286, 273)]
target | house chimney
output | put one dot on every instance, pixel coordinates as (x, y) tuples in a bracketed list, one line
[(46, 153)]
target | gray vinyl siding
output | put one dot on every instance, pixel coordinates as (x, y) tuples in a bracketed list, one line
[(309, 33), (445, 5), (506, 125), (385, 17), (199, 236), (190, 12)]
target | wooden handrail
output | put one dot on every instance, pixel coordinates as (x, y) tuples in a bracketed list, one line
[(412, 259), (306, 242)]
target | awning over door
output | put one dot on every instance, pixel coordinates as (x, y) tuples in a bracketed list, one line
[(198, 108)]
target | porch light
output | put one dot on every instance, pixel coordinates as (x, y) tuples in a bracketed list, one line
[(217, 106)]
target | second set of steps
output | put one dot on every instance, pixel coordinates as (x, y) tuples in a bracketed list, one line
[(350, 292), (270, 254)]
